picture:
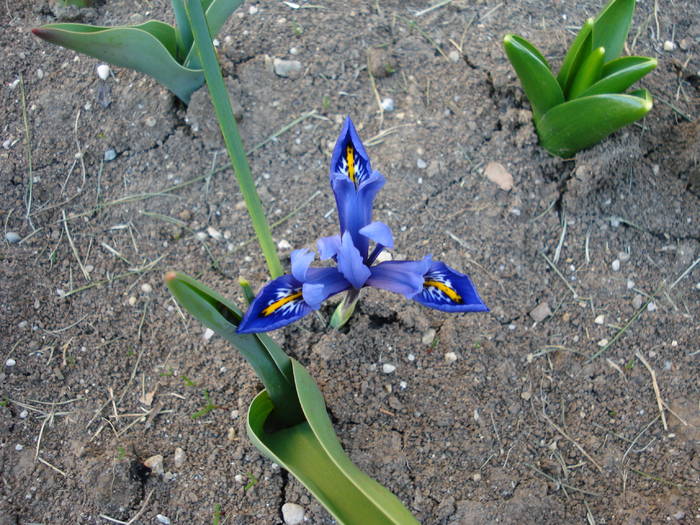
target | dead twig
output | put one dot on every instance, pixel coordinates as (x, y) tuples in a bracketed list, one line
[(655, 385)]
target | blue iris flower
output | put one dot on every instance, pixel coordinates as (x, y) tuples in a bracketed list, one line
[(354, 183)]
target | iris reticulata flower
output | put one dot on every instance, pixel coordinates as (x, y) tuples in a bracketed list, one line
[(354, 183)]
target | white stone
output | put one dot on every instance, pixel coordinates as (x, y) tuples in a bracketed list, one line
[(163, 519), (421, 164), (669, 46), (450, 357), (146, 288), (428, 336), (602, 342), (103, 71), (284, 245), (388, 368), (238, 478), (411, 357), (23, 414), (253, 10), (600, 319), (388, 104), (10, 362), (630, 284), (454, 55), (286, 68), (201, 236), (651, 307), (12, 237), (292, 513), (214, 233), (18, 447), (155, 463), (179, 457), (403, 385), (132, 300), (208, 334), (615, 265)]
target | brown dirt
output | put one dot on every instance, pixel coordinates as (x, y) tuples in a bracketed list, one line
[(521, 428)]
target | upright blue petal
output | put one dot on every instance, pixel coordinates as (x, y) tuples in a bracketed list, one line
[(321, 284), (349, 156), (328, 246), (301, 259), (279, 303), (378, 232), (351, 264), (448, 290), (404, 277)]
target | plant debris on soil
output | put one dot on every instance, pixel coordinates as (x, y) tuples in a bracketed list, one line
[(576, 400)]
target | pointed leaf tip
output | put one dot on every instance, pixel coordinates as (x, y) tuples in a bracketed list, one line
[(170, 276)]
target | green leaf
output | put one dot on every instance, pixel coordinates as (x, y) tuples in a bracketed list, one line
[(311, 451), (589, 73), (540, 86), (149, 48), (216, 13), (270, 363), (582, 122), (621, 73), (182, 30), (611, 27), (578, 51)]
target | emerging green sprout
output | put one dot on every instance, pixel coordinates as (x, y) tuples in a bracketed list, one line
[(585, 102), (155, 48)]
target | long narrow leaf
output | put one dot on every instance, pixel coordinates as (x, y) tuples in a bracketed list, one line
[(149, 48), (580, 123), (611, 27), (589, 73), (311, 451), (272, 366), (216, 13), (182, 30), (540, 86), (578, 51), (620, 74)]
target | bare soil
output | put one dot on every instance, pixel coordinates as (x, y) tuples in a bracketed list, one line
[(100, 371)]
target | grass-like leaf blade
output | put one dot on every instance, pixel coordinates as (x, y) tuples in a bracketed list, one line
[(216, 13), (149, 48), (311, 451), (270, 363), (540, 86), (621, 73), (580, 123), (589, 73), (578, 51), (611, 27)]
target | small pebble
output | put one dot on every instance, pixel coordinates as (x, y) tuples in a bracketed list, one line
[(421, 164), (679, 515), (616, 265), (602, 342), (411, 357), (163, 519), (450, 357), (214, 233), (252, 10), (541, 312), (179, 457), (39, 74), (155, 463), (18, 447), (476, 476), (388, 104), (651, 307), (201, 236), (287, 68), (10, 362), (110, 155), (239, 478), (150, 122), (208, 334), (284, 245), (292, 514), (103, 71), (403, 385), (132, 300), (454, 55), (637, 302), (146, 288), (428, 336), (23, 414), (7, 143), (12, 237), (388, 368), (600, 319), (630, 284), (669, 46)]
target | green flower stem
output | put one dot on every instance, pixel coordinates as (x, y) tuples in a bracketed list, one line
[(229, 130)]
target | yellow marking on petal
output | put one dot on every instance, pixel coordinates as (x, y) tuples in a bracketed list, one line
[(280, 303), (350, 157), (449, 292)]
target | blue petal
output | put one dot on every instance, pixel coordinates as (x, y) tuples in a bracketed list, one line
[(328, 246), (322, 283), (350, 263), (355, 205), (448, 290), (279, 303), (349, 156), (379, 233), (404, 277), (301, 259)]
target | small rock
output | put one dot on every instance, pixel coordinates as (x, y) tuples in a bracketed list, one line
[(497, 173), (179, 457), (428, 336), (651, 307), (23, 414), (163, 519), (615, 265), (287, 68), (388, 368), (132, 300), (146, 288), (292, 513), (526, 395), (7, 144), (630, 284), (103, 71), (450, 357), (600, 319), (411, 357), (214, 233), (421, 164), (19, 447), (683, 44), (476, 477), (239, 478), (110, 155), (39, 74), (454, 55), (403, 385), (150, 122), (208, 334), (185, 215), (388, 104), (253, 10), (12, 237), (155, 463), (284, 245), (637, 301), (201, 236), (602, 342), (679, 515), (669, 45), (380, 62), (10, 362), (541, 312)]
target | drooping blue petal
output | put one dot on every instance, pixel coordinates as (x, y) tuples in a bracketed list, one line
[(355, 205), (351, 264), (328, 246), (448, 290), (279, 303), (379, 233), (301, 259), (321, 284), (349, 156), (404, 277)]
